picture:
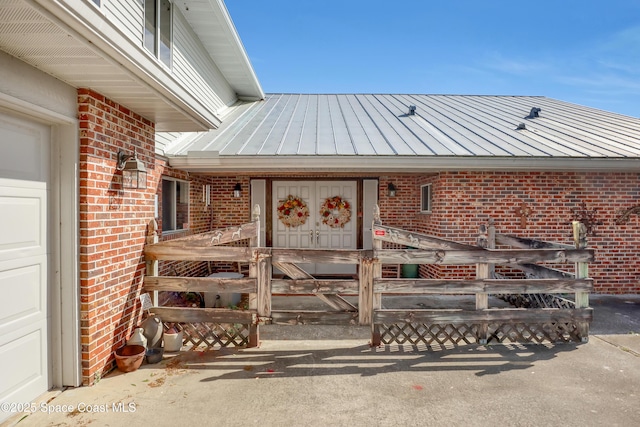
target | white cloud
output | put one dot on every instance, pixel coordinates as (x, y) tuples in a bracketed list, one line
[(514, 65)]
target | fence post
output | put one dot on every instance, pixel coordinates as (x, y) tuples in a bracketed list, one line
[(482, 299), (365, 293), (376, 273), (254, 242), (255, 267), (491, 244), (152, 265), (582, 272)]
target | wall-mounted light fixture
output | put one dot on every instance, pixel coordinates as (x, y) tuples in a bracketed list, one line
[(391, 190), (134, 174), (237, 190)]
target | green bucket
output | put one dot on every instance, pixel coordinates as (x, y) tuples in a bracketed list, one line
[(409, 271)]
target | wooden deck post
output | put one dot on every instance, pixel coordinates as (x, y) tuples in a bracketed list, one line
[(365, 292), (482, 299), (254, 242), (376, 273), (152, 265), (582, 272), (254, 273), (491, 244)]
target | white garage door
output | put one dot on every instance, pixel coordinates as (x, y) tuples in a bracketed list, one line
[(24, 181)]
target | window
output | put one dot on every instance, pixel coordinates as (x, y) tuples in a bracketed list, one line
[(157, 29), (425, 198), (175, 204)]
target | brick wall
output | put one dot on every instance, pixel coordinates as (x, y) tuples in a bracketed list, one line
[(464, 200), (113, 224)]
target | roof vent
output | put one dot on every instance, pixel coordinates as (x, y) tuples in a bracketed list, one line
[(534, 113), (412, 110), (521, 126)]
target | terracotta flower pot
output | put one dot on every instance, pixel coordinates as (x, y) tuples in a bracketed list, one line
[(129, 357)]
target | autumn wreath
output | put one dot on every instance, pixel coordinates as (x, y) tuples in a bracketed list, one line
[(292, 211), (335, 212)]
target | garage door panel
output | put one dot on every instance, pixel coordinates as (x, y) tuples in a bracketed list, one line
[(22, 279), (23, 359), (24, 147), (22, 221)]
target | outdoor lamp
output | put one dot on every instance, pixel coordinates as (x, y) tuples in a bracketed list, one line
[(134, 174), (391, 190), (237, 190)]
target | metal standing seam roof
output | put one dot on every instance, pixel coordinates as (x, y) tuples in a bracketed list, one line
[(317, 130)]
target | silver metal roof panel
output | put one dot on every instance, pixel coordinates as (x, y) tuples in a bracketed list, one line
[(315, 128)]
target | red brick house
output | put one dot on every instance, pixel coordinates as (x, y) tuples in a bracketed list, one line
[(96, 79), (532, 164)]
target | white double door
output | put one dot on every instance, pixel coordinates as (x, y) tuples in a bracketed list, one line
[(314, 234)]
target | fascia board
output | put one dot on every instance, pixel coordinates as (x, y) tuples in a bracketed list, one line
[(241, 51), (397, 164)]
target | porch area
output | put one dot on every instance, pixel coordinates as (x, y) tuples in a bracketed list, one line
[(522, 290)]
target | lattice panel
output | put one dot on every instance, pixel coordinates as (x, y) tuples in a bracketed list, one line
[(533, 333), (416, 333), (459, 334), (537, 300), (209, 335)]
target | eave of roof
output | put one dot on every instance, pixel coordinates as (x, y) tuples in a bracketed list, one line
[(72, 41)]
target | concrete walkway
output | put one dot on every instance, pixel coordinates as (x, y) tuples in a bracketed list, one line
[(291, 381)]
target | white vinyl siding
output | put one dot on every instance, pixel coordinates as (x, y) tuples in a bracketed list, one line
[(194, 69), (127, 15)]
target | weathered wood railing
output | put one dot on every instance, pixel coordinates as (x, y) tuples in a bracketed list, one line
[(549, 322), (553, 317), (206, 247)]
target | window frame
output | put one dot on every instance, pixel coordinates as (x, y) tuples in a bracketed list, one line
[(429, 200), (158, 31), (171, 225)]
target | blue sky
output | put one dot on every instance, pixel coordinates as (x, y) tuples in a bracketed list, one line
[(585, 52)]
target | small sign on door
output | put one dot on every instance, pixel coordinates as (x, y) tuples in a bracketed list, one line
[(379, 232)]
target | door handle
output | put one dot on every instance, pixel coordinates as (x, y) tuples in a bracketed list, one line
[(317, 237)]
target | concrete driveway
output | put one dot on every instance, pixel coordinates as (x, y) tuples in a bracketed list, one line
[(301, 377)]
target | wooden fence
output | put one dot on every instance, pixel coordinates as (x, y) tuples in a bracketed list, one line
[(538, 303)]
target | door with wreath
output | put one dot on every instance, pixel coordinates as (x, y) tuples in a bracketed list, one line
[(316, 215)]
